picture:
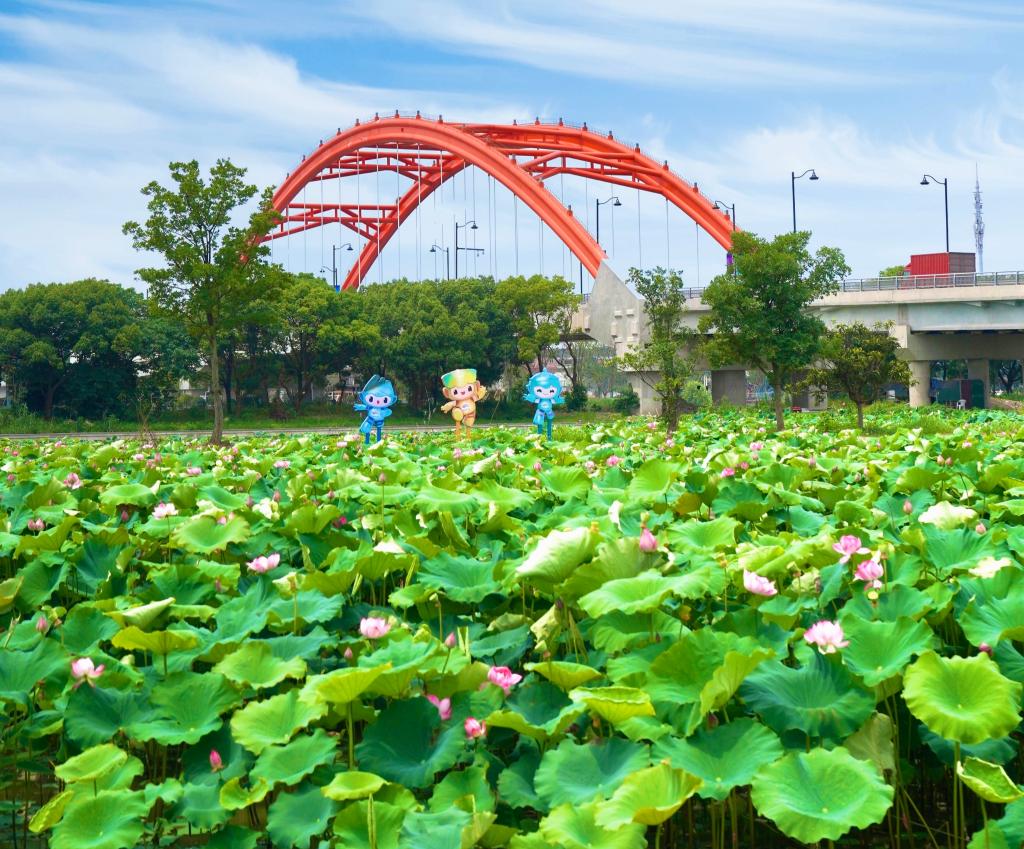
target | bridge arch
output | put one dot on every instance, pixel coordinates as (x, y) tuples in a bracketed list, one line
[(519, 156)]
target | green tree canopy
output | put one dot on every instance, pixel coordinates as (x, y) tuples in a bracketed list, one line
[(893, 271), (664, 363), (758, 311), (859, 361), (540, 309), (212, 267)]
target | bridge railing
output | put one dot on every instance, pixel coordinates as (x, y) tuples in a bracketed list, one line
[(933, 281)]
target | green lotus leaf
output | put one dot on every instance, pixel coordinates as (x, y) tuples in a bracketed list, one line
[(203, 534), (220, 497), (272, 721), (342, 685), (724, 757), (652, 480), (459, 578), (646, 591), (199, 805), (700, 535), (1000, 750), (614, 559), (648, 797), (460, 784), (506, 498), (996, 608), (386, 557), (563, 674), (616, 631), (368, 825), (255, 665), (346, 786), (400, 659), (233, 837), (96, 714), (50, 813), (946, 516), (515, 784), (142, 616), (110, 819), (577, 773), (297, 815), (123, 776), (963, 699), (20, 670), (989, 781), (128, 493), (85, 628), (539, 710), (1004, 833), (896, 602), (168, 791), (821, 794), (566, 482), (189, 705), (433, 499), (575, 827), (436, 830), (819, 698), (9, 591), (159, 642), (92, 764), (614, 704), (952, 551), (873, 741), (555, 556), (234, 796), (408, 743), (290, 763), (879, 650)]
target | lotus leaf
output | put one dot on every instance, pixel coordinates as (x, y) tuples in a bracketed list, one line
[(879, 650), (111, 819), (577, 773), (275, 720), (256, 665), (346, 786), (989, 781), (575, 827)]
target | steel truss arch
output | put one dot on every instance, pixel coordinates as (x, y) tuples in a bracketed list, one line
[(519, 156)]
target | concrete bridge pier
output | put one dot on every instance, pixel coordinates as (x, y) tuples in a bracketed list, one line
[(921, 373), (978, 370), (729, 385)]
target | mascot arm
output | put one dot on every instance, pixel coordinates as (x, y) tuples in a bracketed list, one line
[(481, 394), (359, 407), (446, 407)]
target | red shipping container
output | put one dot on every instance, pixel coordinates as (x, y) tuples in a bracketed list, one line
[(942, 263)]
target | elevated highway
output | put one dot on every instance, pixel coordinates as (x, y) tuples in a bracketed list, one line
[(972, 317)]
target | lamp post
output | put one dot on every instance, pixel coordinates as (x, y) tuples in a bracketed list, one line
[(597, 212), (447, 260), (793, 177), (334, 262), (732, 209), (472, 226), (945, 198)]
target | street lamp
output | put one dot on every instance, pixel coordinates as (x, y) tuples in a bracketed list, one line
[(732, 209), (793, 177), (472, 226), (597, 212), (945, 198), (447, 260), (334, 262)]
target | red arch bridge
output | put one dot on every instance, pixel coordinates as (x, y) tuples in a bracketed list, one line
[(429, 152)]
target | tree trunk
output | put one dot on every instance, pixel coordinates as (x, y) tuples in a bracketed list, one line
[(229, 372), (670, 412), (780, 418), (51, 390), (217, 437), (860, 415)]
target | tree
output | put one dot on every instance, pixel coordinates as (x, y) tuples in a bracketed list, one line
[(72, 341), (758, 311), (1007, 373), (211, 268), (664, 362), (540, 309), (893, 271), (859, 361)]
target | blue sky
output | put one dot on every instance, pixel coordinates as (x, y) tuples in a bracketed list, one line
[(96, 98)]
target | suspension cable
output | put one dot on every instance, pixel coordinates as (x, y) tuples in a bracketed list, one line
[(639, 232), (419, 200), (398, 211), (668, 243), (380, 215)]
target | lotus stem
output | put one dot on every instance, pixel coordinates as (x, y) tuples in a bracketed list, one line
[(351, 742)]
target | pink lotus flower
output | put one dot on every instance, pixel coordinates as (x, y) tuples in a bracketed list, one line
[(193, 471), (264, 563), (42, 624), (36, 524), (589, 465), (282, 464), (163, 510), (503, 677), (347, 654), (980, 528), (450, 640), (475, 728), (985, 648), (216, 762), (248, 501), (125, 515), (651, 425), (744, 465), (728, 472), (869, 572), (537, 466), (613, 461), (648, 542), (277, 496), (756, 446), (848, 546), (444, 706), (11, 477), (457, 454), (827, 636), (83, 670), (758, 584), (73, 481), (330, 495), (908, 508), (374, 627), (670, 442)]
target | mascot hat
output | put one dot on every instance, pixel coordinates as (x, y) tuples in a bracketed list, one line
[(459, 377)]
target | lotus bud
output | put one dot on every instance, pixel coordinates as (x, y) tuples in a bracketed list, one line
[(216, 762), (347, 654), (382, 478), (908, 508), (277, 496), (537, 466), (42, 624), (648, 542), (217, 585), (980, 528), (248, 501), (125, 516), (330, 495), (986, 648), (450, 640)]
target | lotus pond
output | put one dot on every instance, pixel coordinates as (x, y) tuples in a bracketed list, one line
[(609, 641)]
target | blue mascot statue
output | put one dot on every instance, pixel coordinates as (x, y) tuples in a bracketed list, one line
[(545, 390), (376, 399)]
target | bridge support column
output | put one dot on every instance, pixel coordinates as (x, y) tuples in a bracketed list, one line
[(729, 385), (921, 373), (978, 370)]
